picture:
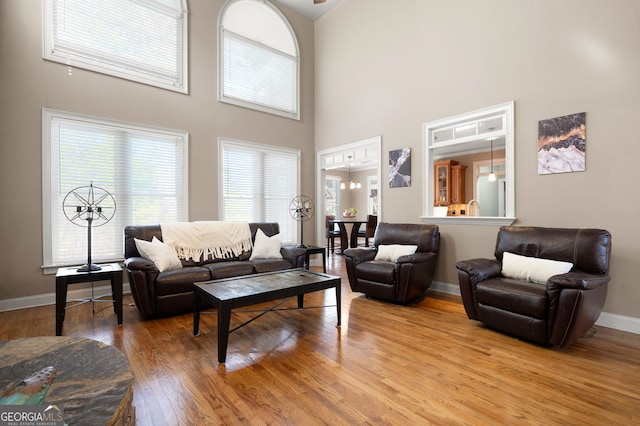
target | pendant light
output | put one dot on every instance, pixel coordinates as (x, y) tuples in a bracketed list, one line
[(352, 184)]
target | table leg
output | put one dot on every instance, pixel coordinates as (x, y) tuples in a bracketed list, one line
[(338, 303), (301, 301), (354, 234), (116, 289), (61, 302), (344, 239), (196, 313), (224, 318)]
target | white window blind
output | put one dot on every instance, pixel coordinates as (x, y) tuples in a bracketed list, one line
[(258, 183), (259, 58), (140, 40), (143, 168)]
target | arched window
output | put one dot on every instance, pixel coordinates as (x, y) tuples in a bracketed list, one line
[(259, 58)]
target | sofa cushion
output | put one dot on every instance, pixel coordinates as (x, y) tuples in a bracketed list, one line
[(228, 269), (270, 265), (532, 269), (266, 247), (164, 257), (180, 280)]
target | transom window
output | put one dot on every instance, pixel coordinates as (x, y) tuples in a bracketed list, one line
[(257, 184), (140, 40), (259, 61), (144, 168)]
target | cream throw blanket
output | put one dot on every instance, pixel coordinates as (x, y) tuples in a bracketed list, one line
[(199, 240)]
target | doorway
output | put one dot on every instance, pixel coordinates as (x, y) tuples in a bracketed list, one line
[(347, 162)]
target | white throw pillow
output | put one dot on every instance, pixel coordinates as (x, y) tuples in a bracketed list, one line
[(532, 269), (391, 252), (266, 247), (164, 257)]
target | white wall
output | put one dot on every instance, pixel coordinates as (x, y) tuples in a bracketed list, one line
[(385, 67)]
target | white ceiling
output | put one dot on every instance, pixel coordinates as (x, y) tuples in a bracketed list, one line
[(308, 8)]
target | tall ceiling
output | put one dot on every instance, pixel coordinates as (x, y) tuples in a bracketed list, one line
[(308, 8)]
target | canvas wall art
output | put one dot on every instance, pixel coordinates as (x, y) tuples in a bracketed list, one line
[(562, 144), (400, 168)]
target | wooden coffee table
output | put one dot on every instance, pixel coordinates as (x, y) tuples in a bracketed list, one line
[(231, 293)]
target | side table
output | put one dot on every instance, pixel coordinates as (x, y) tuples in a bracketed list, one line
[(65, 276), (316, 250)]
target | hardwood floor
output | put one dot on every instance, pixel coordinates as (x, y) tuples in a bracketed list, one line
[(398, 365)]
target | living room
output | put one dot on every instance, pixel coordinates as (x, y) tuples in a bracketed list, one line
[(368, 68)]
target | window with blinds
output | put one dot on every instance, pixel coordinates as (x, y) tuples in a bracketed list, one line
[(257, 184), (259, 61), (140, 40), (145, 169)]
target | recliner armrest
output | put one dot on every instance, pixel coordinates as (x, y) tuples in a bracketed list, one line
[(577, 280), (481, 269), (359, 255), (417, 257)]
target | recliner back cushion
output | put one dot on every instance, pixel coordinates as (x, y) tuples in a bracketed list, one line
[(588, 249), (426, 237)]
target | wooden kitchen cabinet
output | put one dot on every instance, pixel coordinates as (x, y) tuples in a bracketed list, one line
[(449, 183)]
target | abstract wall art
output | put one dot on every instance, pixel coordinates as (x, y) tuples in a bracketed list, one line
[(562, 144), (400, 168)]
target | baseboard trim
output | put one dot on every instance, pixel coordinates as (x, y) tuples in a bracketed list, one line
[(50, 298), (617, 322)]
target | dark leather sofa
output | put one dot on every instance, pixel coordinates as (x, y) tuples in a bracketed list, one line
[(403, 280), (163, 293), (555, 313)]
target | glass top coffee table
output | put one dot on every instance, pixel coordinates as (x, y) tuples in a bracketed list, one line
[(230, 293)]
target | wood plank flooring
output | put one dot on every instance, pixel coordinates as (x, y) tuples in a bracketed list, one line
[(387, 365)]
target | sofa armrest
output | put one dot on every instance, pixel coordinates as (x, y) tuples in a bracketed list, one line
[(358, 255), (142, 275), (140, 264), (480, 269), (294, 254)]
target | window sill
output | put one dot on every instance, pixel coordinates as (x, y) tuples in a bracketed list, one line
[(53, 269), (469, 220)]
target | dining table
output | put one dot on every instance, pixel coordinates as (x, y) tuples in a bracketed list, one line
[(348, 238)]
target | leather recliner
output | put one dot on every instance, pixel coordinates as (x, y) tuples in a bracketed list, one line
[(403, 280), (555, 313)]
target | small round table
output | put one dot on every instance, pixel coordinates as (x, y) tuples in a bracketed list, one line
[(93, 381)]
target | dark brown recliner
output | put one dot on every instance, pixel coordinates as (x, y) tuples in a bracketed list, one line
[(403, 280), (555, 313)]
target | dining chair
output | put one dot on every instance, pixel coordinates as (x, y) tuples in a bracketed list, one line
[(331, 233), (370, 229)]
